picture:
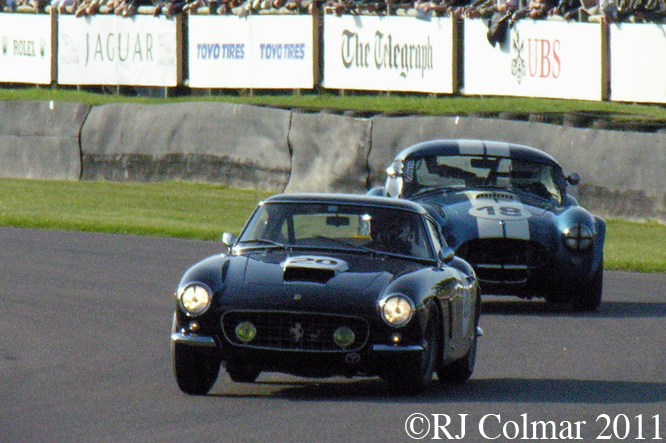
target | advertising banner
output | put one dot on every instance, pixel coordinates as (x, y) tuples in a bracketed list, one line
[(26, 54), (256, 51), (537, 59), (638, 62), (141, 50), (389, 53)]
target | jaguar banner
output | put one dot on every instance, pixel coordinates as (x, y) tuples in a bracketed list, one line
[(141, 50)]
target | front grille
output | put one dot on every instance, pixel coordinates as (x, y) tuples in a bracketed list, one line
[(497, 196), (294, 331), (503, 260)]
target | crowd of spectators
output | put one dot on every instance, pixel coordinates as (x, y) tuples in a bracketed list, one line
[(639, 11)]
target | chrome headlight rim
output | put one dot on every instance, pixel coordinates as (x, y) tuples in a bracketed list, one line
[(194, 299), (387, 309), (579, 237)]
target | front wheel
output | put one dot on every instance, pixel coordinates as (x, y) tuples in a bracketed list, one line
[(460, 370), (414, 378), (242, 374), (588, 298), (195, 371)]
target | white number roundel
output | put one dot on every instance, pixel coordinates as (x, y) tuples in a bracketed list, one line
[(500, 211)]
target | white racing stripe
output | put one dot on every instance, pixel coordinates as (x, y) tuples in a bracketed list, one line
[(499, 215)]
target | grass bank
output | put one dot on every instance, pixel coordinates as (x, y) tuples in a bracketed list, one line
[(365, 102), (205, 211)]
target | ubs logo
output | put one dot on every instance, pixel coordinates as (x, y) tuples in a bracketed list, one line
[(518, 65), (539, 58)]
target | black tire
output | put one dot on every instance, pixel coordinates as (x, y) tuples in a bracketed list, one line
[(242, 374), (195, 371), (588, 298), (460, 370), (414, 378)]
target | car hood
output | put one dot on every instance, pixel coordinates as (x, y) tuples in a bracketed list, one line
[(313, 282), (492, 213)]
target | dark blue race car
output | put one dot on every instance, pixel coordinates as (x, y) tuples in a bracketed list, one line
[(325, 285), (505, 209)]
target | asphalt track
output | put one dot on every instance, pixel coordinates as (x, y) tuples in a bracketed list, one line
[(84, 357)]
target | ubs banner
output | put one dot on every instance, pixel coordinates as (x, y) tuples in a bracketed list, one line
[(538, 59), (257, 51), (113, 50), (26, 54), (638, 62), (388, 53)]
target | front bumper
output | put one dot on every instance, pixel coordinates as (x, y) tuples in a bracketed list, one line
[(199, 341), (373, 359)]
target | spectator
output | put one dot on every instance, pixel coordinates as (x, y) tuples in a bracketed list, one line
[(568, 9), (9, 4), (65, 6), (192, 6), (87, 7), (129, 8)]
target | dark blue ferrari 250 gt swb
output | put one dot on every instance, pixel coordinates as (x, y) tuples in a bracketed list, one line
[(319, 285), (504, 208)]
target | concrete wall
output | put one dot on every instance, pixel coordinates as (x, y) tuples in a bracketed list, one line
[(249, 146), (41, 139), (239, 145)]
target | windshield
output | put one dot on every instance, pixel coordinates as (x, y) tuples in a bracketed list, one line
[(469, 171), (359, 228)]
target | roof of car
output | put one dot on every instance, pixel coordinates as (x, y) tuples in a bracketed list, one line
[(476, 147), (353, 199)]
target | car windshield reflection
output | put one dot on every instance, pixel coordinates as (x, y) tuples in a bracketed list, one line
[(327, 226), (450, 172)]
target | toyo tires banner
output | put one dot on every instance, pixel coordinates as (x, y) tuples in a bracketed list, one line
[(389, 53), (257, 51)]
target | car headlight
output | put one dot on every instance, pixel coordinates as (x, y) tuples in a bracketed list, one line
[(578, 237), (194, 299), (397, 310)]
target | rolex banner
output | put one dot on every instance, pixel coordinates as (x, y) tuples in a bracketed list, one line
[(26, 54)]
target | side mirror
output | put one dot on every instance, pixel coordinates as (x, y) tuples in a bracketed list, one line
[(573, 179), (228, 239), (446, 255)]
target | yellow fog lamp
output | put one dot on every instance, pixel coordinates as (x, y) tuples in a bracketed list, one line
[(344, 337), (246, 331)]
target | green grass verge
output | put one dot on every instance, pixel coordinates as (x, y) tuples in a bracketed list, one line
[(400, 103), (170, 209), (634, 246), (205, 211)]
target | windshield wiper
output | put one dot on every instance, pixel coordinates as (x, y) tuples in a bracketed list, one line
[(527, 193), (265, 243), (351, 246), (434, 189)]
